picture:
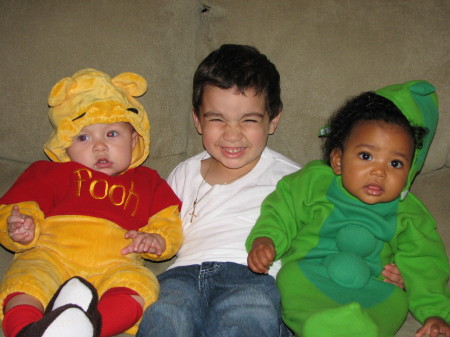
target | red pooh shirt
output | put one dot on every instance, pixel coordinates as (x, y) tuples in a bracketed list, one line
[(81, 217), (128, 200)]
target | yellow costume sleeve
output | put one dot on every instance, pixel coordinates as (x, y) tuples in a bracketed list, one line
[(166, 223), (30, 208)]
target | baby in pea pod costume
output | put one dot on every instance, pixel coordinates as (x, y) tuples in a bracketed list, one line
[(336, 223)]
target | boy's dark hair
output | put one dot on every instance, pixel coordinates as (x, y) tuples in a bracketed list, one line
[(241, 66), (366, 107)]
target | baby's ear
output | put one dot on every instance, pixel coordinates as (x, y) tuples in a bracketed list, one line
[(59, 91), (336, 161), (133, 84)]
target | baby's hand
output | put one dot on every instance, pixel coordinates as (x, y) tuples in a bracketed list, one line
[(433, 327), (144, 243), (21, 228), (261, 256), (393, 275)]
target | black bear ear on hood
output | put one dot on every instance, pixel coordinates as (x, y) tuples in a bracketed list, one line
[(418, 102), (89, 97)]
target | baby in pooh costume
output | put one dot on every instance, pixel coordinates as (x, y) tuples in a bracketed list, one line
[(80, 224)]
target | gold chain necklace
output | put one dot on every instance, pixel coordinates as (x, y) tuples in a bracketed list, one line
[(197, 200)]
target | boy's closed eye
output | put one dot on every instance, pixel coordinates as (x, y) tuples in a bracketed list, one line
[(251, 121), (213, 117), (253, 117)]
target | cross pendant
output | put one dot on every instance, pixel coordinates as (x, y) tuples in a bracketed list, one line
[(193, 211)]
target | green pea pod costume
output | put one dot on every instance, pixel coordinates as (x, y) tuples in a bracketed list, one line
[(334, 247)]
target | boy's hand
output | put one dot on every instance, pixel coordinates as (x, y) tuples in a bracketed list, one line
[(433, 327), (261, 256), (144, 243), (393, 275), (21, 227)]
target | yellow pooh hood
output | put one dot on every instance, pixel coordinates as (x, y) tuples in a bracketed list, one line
[(91, 97)]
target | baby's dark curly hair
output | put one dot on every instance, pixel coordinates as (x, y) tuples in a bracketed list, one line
[(366, 107)]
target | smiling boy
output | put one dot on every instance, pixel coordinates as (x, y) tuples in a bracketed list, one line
[(209, 290)]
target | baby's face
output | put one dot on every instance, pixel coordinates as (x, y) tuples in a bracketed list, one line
[(104, 147), (375, 161)]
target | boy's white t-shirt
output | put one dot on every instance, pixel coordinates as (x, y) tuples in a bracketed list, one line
[(225, 214)]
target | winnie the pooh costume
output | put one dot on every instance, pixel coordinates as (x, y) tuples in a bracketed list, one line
[(81, 215)]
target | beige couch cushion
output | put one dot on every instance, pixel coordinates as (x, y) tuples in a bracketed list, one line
[(326, 51)]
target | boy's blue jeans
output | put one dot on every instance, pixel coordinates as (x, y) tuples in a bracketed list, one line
[(215, 300)]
